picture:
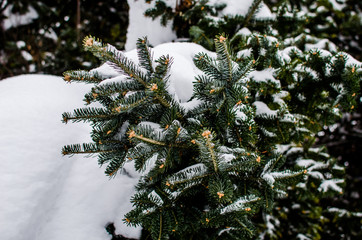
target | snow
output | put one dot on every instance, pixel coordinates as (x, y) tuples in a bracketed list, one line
[(183, 70), (263, 109), (264, 76), (15, 20), (302, 237), (338, 5), (140, 26), (322, 44), (188, 173), (331, 184), (43, 194), (239, 204), (234, 7)]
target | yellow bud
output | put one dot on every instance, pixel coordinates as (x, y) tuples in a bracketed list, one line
[(220, 194), (67, 78), (206, 134), (222, 39), (89, 42), (132, 134), (154, 87)]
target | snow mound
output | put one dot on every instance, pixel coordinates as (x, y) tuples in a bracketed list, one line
[(140, 25), (43, 194)]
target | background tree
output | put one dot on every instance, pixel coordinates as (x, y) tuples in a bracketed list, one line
[(43, 36)]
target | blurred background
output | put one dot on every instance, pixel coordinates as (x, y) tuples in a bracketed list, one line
[(45, 36)]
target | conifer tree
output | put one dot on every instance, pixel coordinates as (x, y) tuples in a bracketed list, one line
[(216, 164), (308, 25), (240, 160)]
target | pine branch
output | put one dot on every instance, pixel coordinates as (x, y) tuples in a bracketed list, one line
[(87, 114), (86, 148), (83, 76), (224, 58), (144, 54)]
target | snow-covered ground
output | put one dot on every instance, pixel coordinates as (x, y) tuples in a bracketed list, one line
[(43, 194)]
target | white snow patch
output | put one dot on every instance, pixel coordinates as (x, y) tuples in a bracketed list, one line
[(140, 26), (44, 195), (15, 20), (263, 109), (264, 76), (233, 7), (331, 185)]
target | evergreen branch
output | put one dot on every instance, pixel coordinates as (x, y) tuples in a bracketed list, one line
[(223, 55), (160, 233), (131, 102), (206, 64), (244, 226), (114, 58), (87, 114), (189, 174), (122, 87), (132, 134), (82, 76), (86, 148), (239, 204), (212, 153), (244, 71), (144, 54)]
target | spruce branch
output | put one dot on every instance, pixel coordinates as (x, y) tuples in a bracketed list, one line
[(132, 134), (224, 58), (85, 148), (144, 54), (253, 8), (87, 114)]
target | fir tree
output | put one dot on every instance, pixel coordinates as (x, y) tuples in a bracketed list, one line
[(218, 164), (311, 26)]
